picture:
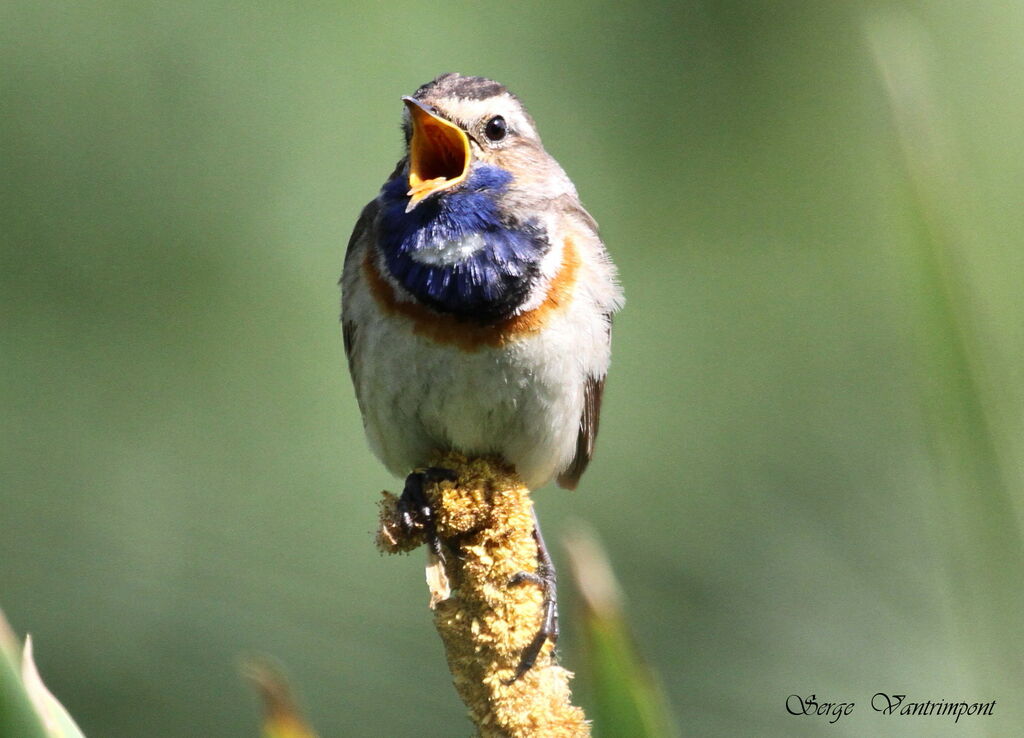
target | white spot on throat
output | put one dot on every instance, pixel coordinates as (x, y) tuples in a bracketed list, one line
[(449, 252)]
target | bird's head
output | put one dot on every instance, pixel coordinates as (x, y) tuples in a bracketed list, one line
[(471, 132)]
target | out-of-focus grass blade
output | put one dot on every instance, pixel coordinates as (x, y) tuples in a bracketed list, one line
[(628, 700), (281, 717), (56, 720), (977, 493), (18, 713)]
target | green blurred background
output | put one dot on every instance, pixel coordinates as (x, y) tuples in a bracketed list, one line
[(809, 471)]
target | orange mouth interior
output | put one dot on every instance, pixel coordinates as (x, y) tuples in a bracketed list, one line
[(439, 153)]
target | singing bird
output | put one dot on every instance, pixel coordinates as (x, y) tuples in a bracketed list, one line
[(477, 302)]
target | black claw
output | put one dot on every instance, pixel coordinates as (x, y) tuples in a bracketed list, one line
[(545, 579), (414, 507), (527, 576)]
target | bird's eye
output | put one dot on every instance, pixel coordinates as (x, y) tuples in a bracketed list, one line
[(496, 128)]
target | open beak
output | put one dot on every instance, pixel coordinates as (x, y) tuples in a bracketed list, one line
[(439, 153)]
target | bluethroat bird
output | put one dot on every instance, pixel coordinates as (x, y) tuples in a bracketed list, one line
[(477, 301)]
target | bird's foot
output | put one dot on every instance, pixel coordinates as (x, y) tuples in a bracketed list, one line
[(545, 579), (414, 509)]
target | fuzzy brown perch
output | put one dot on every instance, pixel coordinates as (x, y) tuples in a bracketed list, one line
[(485, 522)]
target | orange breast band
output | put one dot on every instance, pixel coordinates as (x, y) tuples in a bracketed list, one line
[(467, 334)]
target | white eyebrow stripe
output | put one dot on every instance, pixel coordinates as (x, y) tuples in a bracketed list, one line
[(469, 111)]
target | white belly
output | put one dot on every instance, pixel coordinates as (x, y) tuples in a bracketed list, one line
[(521, 401)]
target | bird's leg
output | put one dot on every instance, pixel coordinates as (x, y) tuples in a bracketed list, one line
[(545, 579), (414, 508)]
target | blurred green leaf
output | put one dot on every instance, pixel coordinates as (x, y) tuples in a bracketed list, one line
[(17, 714), (628, 699), (56, 720), (27, 709), (965, 399)]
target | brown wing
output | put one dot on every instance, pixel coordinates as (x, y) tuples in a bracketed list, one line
[(594, 387), (348, 336), (348, 328), (589, 420)]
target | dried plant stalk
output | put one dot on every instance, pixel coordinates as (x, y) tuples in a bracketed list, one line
[(485, 520)]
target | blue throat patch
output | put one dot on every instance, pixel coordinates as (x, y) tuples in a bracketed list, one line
[(489, 281)]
